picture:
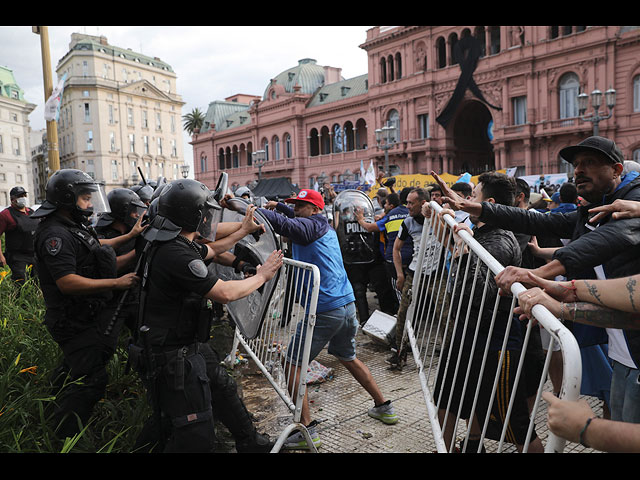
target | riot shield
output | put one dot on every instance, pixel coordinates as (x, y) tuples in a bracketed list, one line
[(356, 244), (248, 313)]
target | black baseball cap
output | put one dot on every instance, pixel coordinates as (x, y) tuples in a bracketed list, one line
[(17, 192), (594, 144)]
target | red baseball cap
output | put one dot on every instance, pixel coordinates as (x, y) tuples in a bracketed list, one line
[(310, 196)]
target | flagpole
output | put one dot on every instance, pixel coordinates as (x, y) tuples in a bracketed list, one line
[(52, 126)]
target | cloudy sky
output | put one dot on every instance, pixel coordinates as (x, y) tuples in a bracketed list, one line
[(211, 62)]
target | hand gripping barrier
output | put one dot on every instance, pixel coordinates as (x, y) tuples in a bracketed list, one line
[(471, 373), (293, 303)]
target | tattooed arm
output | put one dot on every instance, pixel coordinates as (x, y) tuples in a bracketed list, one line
[(616, 293), (580, 312)]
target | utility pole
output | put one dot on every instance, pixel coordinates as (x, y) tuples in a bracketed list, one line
[(52, 126)]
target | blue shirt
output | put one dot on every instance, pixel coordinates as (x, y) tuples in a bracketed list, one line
[(390, 224), (314, 241)]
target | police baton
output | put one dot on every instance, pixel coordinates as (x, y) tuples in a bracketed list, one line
[(114, 318)]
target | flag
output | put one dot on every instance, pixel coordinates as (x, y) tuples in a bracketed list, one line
[(52, 107), (363, 172), (370, 176), (316, 187), (511, 172)]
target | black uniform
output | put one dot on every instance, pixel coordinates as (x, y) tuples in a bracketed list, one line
[(19, 244), (191, 387), (76, 322)]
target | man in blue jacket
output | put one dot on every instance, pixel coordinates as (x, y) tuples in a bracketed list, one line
[(314, 241)]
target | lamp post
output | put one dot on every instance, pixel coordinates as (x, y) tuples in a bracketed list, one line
[(386, 138), (259, 159), (185, 171), (596, 101)]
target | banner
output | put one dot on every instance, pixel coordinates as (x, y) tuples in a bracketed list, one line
[(421, 181), (52, 106), (540, 181)]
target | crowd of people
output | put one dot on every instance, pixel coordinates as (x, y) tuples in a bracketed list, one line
[(98, 260)]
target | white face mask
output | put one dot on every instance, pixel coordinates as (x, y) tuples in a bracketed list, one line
[(21, 202)]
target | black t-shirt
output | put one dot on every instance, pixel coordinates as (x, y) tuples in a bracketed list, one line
[(177, 271)]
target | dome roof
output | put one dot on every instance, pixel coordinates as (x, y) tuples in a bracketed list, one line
[(307, 74)]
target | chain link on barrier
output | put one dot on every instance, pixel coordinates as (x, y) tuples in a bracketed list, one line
[(292, 306), (481, 372)]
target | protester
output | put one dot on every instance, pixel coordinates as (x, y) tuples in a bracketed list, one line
[(602, 249), (314, 241), (19, 227), (411, 228), (493, 188)]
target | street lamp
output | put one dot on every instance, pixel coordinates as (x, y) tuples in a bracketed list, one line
[(386, 138), (259, 159), (185, 171), (596, 101)]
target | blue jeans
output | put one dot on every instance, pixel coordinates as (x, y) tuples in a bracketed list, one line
[(625, 394), (337, 328)]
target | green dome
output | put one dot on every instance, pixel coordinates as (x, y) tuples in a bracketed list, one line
[(307, 74)]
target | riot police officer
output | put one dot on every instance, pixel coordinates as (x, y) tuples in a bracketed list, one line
[(125, 218), (17, 224), (178, 367), (361, 253), (123, 224), (77, 277), (144, 192)]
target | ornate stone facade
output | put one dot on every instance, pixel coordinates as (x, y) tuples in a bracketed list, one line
[(516, 105)]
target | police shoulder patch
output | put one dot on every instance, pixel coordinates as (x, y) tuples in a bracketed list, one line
[(53, 245), (198, 268)]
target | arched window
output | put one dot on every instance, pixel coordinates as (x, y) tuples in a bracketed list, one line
[(481, 37), (383, 70), (453, 41), (265, 147), (276, 148), (398, 66), (390, 68), (287, 146), (221, 159), (338, 140), (234, 157), (325, 141), (569, 87), (203, 163), (394, 119), (228, 157), (441, 52), (314, 143)]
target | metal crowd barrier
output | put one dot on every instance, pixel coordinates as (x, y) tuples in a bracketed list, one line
[(438, 322), (294, 300)]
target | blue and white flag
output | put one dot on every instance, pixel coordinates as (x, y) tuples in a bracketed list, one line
[(370, 176), (52, 107), (363, 172)]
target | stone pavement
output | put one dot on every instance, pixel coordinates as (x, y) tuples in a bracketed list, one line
[(340, 406)]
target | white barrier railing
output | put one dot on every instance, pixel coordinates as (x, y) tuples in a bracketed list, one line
[(294, 300), (441, 333)]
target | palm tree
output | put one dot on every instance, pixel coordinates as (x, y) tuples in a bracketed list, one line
[(193, 121)]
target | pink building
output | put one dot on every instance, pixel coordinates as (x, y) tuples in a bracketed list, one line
[(462, 99)]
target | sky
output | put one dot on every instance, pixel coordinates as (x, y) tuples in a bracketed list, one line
[(211, 62)]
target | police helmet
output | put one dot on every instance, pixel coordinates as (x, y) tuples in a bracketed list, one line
[(145, 192), (64, 188), (241, 191), (126, 206), (191, 205)]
